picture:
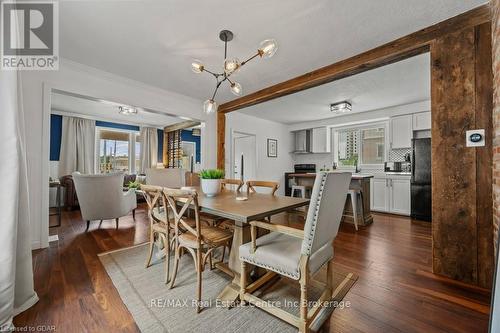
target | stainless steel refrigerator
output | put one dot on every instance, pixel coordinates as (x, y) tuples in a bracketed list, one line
[(421, 198)]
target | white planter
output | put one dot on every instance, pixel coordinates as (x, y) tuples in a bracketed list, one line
[(211, 187)]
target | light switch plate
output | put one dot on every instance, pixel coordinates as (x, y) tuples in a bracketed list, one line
[(475, 138)]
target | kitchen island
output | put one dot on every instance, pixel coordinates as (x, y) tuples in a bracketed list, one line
[(359, 181)]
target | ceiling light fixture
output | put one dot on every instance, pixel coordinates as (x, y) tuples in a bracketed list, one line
[(267, 49), (126, 110), (341, 107)]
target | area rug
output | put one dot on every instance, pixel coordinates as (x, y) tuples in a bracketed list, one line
[(156, 308)]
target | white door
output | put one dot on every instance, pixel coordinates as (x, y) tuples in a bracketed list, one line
[(400, 196), (379, 195), (401, 132), (244, 149)]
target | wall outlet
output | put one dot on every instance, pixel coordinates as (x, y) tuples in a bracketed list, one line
[(475, 138)]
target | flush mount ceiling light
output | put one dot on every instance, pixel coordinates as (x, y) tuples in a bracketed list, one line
[(341, 107), (126, 110), (231, 65)]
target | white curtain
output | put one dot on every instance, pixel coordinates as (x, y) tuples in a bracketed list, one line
[(16, 273), (77, 146), (149, 148)]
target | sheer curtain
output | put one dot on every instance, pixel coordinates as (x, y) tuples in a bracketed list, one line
[(149, 148), (77, 146), (16, 273)]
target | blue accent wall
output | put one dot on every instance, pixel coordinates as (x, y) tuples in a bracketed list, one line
[(55, 136), (187, 135)]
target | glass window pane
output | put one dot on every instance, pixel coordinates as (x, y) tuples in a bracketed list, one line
[(348, 147), (113, 151), (373, 145)]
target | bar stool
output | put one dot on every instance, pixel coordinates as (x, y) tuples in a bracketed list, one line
[(300, 188), (354, 193)]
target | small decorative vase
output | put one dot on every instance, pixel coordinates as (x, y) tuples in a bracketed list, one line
[(211, 187)]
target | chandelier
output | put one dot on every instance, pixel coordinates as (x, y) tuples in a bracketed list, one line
[(231, 65)]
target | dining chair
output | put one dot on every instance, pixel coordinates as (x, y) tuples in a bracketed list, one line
[(252, 184), (299, 254), (101, 197), (159, 223), (237, 182), (200, 241)]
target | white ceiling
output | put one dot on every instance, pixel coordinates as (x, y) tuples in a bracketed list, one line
[(155, 41), (404, 82), (108, 111)]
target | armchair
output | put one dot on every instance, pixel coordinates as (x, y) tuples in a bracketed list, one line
[(299, 254), (101, 197)]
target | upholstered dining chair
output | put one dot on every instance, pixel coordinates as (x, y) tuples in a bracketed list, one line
[(168, 177), (200, 241), (101, 197), (299, 254), (160, 226)]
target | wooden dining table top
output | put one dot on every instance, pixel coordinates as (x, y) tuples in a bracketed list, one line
[(258, 205)]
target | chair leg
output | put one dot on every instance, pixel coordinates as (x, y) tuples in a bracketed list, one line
[(117, 222), (210, 262), (151, 246), (176, 266), (88, 225), (243, 282), (354, 204), (199, 270), (329, 276), (303, 324), (100, 224), (133, 214), (166, 243)]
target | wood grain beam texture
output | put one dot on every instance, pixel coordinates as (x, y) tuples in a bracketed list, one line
[(461, 99)]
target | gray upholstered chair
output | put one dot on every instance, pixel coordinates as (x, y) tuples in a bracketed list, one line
[(299, 254), (169, 177), (101, 197)]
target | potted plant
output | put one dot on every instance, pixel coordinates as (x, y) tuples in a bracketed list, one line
[(210, 181)]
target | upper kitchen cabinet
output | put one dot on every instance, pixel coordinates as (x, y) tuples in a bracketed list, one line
[(401, 132), (302, 141), (422, 121), (320, 140)]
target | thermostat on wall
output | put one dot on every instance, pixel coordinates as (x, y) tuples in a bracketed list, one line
[(475, 138)]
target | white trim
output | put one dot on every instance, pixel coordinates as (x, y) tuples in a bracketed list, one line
[(110, 120), (43, 241)]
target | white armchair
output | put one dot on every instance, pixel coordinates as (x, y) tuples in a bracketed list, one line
[(101, 197), (299, 254), (169, 177)]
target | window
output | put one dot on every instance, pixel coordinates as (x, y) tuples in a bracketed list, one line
[(356, 146), (115, 147), (348, 147), (137, 152), (373, 140)]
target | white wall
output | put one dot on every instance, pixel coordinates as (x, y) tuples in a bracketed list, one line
[(268, 168), (88, 81)]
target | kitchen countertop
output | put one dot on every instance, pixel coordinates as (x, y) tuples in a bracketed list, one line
[(312, 175)]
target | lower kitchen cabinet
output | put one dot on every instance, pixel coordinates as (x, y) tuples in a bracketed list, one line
[(391, 194)]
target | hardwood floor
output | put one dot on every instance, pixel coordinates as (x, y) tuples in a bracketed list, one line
[(396, 291)]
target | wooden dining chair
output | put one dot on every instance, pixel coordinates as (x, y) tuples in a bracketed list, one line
[(237, 182), (299, 254), (159, 224), (200, 241), (252, 184)]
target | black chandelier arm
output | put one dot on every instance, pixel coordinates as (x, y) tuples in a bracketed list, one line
[(217, 88), (251, 58)]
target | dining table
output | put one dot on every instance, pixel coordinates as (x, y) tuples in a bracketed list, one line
[(242, 208)]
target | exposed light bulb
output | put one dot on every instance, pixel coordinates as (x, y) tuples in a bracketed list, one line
[(210, 106), (231, 65), (236, 89), (197, 66), (268, 48)]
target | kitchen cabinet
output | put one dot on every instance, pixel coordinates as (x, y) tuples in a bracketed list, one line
[(379, 195), (421, 121), (320, 140), (391, 194), (401, 132), (302, 141)]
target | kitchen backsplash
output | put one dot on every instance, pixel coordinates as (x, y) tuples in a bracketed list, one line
[(398, 155)]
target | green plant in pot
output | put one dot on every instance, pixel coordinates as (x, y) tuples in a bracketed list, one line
[(134, 185), (211, 181)]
